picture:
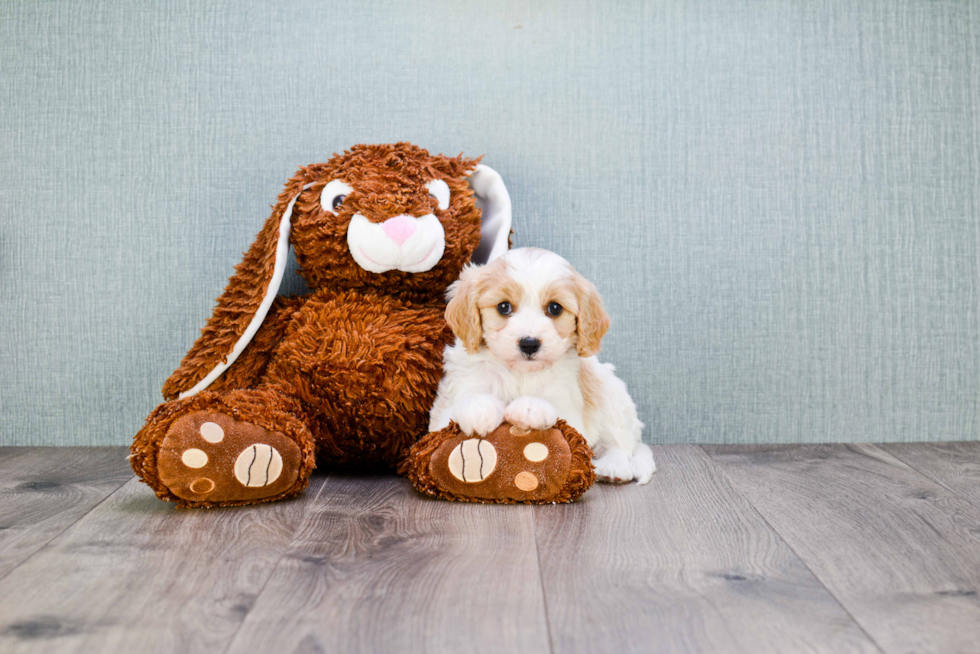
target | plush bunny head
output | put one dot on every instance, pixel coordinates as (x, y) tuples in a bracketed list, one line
[(390, 218), (386, 216)]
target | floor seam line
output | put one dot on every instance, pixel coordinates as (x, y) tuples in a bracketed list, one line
[(806, 565), (544, 593), (272, 572), (66, 528), (921, 472)]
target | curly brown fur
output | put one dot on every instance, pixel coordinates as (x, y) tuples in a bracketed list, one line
[(580, 478), (386, 181), (356, 362)]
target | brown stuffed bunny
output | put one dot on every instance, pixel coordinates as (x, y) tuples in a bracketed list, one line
[(345, 374)]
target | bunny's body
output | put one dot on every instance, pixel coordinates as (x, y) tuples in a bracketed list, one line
[(346, 374), (365, 393)]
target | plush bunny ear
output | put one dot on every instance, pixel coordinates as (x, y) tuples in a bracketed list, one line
[(494, 203), (244, 304)]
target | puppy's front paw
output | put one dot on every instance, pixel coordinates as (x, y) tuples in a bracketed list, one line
[(613, 467), (479, 414), (643, 464), (531, 413)]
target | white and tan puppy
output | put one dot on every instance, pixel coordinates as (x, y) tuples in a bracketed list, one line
[(527, 329)]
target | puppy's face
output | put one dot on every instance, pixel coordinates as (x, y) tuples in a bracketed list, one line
[(529, 308)]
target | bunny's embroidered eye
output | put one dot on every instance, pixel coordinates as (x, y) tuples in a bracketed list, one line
[(440, 191), (505, 308), (333, 195)]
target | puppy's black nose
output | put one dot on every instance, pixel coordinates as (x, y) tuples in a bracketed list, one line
[(529, 345)]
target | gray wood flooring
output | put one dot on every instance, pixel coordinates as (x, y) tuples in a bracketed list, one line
[(754, 549)]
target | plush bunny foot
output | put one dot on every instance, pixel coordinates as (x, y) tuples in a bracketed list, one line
[(194, 453), (508, 465), (209, 457)]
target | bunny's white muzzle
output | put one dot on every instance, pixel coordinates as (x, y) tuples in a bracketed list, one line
[(405, 243)]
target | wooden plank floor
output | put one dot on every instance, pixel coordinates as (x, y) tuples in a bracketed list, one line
[(757, 549), (899, 551)]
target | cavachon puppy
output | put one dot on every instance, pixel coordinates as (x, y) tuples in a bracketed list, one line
[(344, 375), (528, 327)]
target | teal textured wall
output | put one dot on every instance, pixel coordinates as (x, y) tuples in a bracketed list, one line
[(779, 200)]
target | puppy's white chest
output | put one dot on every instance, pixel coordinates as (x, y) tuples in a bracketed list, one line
[(558, 385)]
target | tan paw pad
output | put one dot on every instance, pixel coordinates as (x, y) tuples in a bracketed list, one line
[(258, 465), (526, 481), (212, 432), (535, 452), (472, 460), (194, 458), (202, 485)]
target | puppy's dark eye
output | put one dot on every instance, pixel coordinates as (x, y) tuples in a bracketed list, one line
[(505, 309), (337, 201), (555, 309)]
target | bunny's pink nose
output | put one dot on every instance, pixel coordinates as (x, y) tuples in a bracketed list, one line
[(399, 228)]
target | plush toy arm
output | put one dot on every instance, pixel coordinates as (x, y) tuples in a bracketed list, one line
[(248, 367)]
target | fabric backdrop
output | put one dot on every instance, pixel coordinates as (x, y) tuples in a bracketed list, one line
[(779, 200)]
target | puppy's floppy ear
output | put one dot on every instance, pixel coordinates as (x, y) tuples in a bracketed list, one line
[(462, 312), (243, 306), (593, 321)]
